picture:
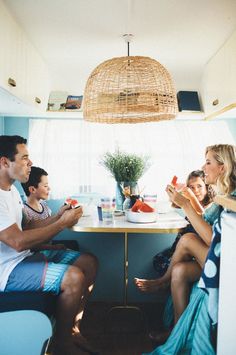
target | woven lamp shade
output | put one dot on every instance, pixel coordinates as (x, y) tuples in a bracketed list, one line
[(129, 90)]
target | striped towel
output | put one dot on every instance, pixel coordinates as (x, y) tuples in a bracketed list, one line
[(209, 280), (193, 332)]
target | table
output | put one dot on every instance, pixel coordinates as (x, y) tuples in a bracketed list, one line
[(166, 223)]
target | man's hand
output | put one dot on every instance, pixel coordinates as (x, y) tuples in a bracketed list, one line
[(70, 217)]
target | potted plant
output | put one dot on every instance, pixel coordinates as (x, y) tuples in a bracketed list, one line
[(126, 169)]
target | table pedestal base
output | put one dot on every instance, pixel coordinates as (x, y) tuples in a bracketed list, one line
[(126, 319)]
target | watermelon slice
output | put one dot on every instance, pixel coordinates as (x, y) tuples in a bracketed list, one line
[(146, 208), (140, 206), (136, 206), (72, 202), (174, 181)]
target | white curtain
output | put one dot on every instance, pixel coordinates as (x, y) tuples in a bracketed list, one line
[(70, 151)]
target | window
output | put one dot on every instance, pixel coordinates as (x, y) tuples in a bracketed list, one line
[(70, 151)]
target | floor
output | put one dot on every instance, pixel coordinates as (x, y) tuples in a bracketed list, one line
[(119, 331)]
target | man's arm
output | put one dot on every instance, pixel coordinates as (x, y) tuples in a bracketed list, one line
[(27, 239)]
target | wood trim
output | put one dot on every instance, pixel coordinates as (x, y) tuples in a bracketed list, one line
[(220, 112), (226, 202), (78, 228)]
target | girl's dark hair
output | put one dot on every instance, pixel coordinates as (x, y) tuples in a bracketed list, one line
[(34, 179), (209, 196), (8, 146)]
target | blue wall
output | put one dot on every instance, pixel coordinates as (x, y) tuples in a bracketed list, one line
[(1, 125), (109, 249), (16, 126), (232, 126)]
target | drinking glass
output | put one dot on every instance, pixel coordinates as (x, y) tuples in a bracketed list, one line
[(151, 200), (108, 205)]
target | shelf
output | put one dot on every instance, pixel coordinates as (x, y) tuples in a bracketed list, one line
[(226, 112)]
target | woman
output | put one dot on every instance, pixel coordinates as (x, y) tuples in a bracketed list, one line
[(189, 258)]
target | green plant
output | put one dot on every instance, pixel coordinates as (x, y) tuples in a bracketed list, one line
[(124, 166)]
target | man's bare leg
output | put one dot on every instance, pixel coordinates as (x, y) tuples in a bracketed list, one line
[(88, 264), (72, 289), (189, 245)]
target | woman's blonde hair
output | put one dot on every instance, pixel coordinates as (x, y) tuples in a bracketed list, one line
[(225, 154)]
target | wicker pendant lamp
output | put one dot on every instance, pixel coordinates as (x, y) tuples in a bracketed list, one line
[(129, 89)]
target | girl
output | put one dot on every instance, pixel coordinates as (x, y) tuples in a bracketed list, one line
[(197, 192)]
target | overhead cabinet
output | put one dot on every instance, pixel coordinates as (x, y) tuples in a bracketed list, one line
[(219, 81), (23, 72)]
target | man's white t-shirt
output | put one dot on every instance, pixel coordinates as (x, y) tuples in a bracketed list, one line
[(10, 213)]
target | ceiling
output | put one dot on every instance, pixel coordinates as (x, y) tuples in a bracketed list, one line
[(75, 36)]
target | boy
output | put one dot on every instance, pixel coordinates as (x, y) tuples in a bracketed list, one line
[(37, 191)]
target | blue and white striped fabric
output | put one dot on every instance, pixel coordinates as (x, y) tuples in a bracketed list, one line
[(209, 280), (193, 332), (58, 262)]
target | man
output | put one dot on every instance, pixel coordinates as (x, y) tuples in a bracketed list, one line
[(69, 274)]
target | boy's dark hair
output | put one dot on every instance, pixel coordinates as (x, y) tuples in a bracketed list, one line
[(8, 146), (34, 179), (200, 173)]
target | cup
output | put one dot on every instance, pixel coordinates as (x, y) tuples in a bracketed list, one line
[(99, 208), (108, 207), (151, 200)]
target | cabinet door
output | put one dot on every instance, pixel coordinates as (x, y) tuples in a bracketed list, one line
[(9, 42), (37, 79), (230, 56), (21, 64), (218, 85), (215, 83), (227, 291)]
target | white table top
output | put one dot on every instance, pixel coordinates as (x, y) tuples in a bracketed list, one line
[(170, 222)]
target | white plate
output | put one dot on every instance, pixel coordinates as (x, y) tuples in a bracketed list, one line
[(141, 217)]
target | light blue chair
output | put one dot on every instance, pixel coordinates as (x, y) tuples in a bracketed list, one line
[(24, 332)]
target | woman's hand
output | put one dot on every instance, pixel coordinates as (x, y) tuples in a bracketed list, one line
[(176, 197), (187, 192)]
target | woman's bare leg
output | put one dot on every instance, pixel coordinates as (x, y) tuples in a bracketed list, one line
[(189, 246), (182, 277)]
